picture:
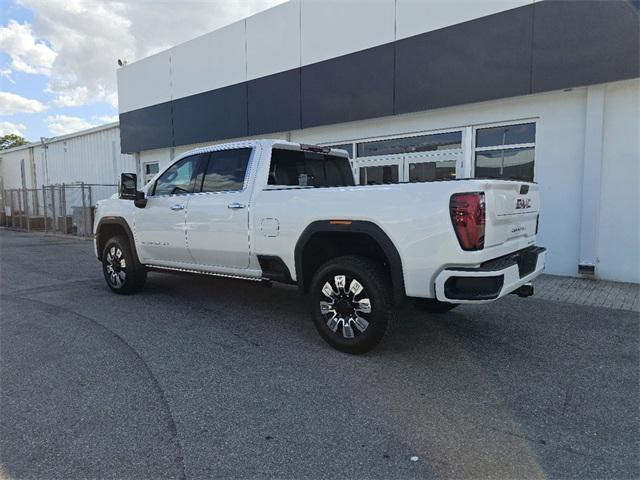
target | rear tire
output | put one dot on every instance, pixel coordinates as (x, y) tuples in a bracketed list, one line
[(122, 272), (431, 305), (352, 303)]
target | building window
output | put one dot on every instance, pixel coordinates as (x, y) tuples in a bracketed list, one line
[(379, 175), (506, 151), (344, 146), (421, 143), (150, 169), (430, 171)]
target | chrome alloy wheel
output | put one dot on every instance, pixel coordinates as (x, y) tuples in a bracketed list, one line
[(345, 308), (116, 267)]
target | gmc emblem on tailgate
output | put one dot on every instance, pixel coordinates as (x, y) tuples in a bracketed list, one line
[(523, 203)]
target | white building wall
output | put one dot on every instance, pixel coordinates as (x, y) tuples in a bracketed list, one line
[(619, 216), (11, 170)]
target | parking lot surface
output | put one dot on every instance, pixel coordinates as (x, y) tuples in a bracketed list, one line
[(214, 378)]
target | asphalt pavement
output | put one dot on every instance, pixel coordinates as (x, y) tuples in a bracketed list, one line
[(199, 377)]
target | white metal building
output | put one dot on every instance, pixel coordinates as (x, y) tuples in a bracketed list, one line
[(90, 156)]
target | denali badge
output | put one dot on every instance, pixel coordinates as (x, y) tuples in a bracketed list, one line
[(523, 203)]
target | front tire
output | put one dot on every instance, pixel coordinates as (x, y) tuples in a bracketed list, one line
[(122, 272), (352, 303)]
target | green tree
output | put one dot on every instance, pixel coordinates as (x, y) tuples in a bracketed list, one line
[(11, 140)]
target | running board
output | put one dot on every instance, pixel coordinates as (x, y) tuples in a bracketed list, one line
[(204, 272)]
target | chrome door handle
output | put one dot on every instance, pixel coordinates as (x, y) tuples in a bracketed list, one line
[(177, 207), (236, 206)]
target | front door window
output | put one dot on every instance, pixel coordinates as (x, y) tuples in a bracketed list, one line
[(179, 178)]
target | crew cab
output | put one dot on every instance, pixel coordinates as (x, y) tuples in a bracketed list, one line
[(272, 210)]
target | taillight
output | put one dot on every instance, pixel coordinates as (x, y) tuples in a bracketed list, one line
[(468, 217)]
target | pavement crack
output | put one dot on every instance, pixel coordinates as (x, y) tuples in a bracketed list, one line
[(568, 395), (519, 435), (156, 384)]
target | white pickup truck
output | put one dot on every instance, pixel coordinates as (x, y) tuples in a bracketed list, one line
[(270, 210)]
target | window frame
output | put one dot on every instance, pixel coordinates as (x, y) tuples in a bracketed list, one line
[(147, 178), (507, 146), (416, 133)]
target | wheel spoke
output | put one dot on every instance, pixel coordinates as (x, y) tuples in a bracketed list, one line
[(361, 323), (326, 307), (122, 275), (118, 253), (364, 306), (328, 291), (333, 323), (347, 331), (123, 263), (112, 251), (355, 288), (340, 280)]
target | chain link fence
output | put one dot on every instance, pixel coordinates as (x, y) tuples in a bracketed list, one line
[(66, 208)]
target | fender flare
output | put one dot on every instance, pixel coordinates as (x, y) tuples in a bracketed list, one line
[(354, 226), (113, 220)]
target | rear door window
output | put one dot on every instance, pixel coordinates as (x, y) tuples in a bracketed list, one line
[(293, 168), (226, 170)]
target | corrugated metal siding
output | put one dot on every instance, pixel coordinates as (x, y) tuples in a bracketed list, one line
[(10, 164), (93, 157)]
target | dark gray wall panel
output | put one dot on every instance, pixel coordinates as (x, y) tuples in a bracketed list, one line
[(274, 103), (146, 128), (347, 88), (212, 115), (583, 43), (482, 59)]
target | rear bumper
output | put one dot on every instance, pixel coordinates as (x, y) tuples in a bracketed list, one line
[(491, 280)]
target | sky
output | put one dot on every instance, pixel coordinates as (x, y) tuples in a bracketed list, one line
[(58, 58)]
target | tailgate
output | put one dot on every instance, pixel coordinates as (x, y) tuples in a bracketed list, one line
[(512, 211)]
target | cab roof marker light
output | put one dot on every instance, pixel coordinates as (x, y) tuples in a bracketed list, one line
[(314, 148)]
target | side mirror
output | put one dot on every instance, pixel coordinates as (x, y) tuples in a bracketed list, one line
[(129, 190), (140, 201), (128, 186)]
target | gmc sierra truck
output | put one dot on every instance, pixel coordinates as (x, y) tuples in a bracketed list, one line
[(270, 210)]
